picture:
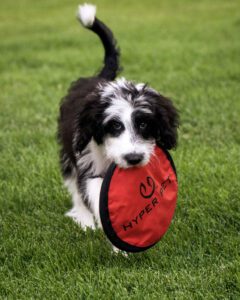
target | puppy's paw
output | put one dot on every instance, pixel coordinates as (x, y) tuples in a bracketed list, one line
[(117, 251), (84, 220)]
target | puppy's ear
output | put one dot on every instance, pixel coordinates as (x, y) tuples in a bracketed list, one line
[(167, 121), (88, 124)]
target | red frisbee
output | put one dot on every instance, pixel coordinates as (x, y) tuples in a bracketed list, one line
[(137, 204)]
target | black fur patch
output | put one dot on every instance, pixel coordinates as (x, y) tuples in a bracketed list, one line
[(114, 127)]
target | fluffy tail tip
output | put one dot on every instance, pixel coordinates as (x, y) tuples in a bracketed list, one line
[(86, 14)]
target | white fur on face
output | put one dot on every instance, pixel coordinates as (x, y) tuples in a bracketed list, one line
[(117, 147), (128, 141)]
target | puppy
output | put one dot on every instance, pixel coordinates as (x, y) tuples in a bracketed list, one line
[(104, 120)]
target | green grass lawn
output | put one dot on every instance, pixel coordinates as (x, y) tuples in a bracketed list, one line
[(190, 51)]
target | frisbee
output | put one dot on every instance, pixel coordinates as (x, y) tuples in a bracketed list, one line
[(137, 204)]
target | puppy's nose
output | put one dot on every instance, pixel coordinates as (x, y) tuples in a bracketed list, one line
[(133, 158)]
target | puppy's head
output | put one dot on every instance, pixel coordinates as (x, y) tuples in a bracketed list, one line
[(128, 120)]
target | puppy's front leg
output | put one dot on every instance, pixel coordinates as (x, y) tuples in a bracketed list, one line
[(93, 188)]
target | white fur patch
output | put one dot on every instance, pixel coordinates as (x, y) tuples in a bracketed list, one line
[(94, 156), (113, 87), (119, 107), (86, 14)]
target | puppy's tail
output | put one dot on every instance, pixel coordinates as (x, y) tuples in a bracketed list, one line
[(87, 16)]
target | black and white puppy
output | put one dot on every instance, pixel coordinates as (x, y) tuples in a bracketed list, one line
[(103, 120)]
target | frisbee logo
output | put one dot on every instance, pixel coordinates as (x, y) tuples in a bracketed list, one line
[(147, 192)]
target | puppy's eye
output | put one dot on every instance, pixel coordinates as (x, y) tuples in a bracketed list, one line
[(117, 125), (143, 125)]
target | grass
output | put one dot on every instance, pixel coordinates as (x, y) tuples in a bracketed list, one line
[(188, 50)]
